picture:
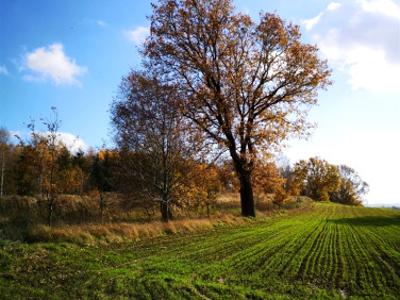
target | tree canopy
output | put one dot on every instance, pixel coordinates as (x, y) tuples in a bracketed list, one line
[(247, 84)]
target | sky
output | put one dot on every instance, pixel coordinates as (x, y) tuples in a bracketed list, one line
[(73, 54)]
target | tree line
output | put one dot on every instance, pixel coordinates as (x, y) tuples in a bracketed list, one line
[(43, 167)]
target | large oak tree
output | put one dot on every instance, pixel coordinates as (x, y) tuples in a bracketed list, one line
[(247, 84)]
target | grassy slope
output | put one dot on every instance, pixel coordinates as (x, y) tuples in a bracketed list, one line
[(331, 251)]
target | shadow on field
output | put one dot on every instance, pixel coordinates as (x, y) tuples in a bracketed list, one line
[(369, 221)]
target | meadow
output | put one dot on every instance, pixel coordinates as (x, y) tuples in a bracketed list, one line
[(328, 251)]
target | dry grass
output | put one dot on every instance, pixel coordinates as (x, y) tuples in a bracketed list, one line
[(77, 219), (229, 198), (90, 234), (68, 209)]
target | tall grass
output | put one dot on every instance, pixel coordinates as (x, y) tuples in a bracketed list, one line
[(90, 234), (77, 219)]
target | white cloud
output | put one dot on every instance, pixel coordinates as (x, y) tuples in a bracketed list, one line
[(137, 35), (368, 68), (384, 7), (51, 63), (333, 6), (71, 141), (3, 70), (310, 23), (362, 39)]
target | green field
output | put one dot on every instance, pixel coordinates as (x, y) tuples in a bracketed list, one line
[(329, 251)]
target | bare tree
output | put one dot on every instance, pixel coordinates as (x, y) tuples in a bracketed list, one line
[(150, 128), (52, 137), (248, 85), (46, 143)]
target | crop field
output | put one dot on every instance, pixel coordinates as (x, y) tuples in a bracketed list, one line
[(326, 252)]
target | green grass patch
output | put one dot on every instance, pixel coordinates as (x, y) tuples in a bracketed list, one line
[(328, 252)]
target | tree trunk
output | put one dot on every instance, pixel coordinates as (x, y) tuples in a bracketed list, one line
[(165, 210), (246, 194), (246, 189), (50, 213)]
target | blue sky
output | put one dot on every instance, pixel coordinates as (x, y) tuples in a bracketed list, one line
[(72, 55)]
